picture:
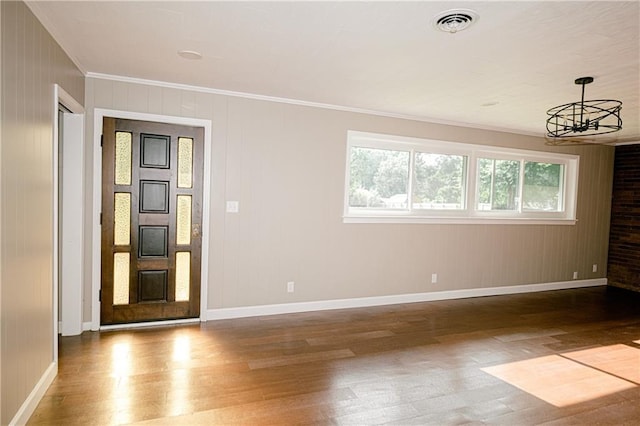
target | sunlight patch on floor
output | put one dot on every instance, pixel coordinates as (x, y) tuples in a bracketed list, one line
[(619, 360), (208, 417), (560, 381)]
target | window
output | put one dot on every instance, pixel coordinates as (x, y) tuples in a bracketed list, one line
[(439, 181), (400, 179), (498, 184), (379, 178), (542, 189)]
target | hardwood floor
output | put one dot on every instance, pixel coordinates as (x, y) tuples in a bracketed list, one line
[(562, 357)]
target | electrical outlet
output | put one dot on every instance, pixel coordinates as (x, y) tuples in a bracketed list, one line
[(595, 268), (233, 206), (434, 278), (575, 275), (290, 286)]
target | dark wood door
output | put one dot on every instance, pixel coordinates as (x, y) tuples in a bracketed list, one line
[(151, 221)]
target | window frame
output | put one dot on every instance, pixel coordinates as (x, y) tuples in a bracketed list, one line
[(469, 212)]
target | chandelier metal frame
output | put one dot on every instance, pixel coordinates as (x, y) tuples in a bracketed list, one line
[(584, 118)]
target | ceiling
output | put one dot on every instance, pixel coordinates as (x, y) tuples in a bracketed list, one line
[(518, 59)]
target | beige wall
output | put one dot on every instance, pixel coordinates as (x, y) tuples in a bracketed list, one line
[(285, 165), (31, 63)]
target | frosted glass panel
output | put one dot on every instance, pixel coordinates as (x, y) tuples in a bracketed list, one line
[(121, 278), (122, 219), (183, 220), (123, 158), (183, 275), (185, 162)]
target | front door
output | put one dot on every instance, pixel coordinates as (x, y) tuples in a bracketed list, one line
[(151, 221)]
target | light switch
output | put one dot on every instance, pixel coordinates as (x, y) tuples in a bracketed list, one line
[(233, 206)]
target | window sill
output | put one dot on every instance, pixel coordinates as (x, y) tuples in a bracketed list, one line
[(455, 220)]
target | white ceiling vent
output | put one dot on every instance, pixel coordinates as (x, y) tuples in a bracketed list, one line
[(454, 20)]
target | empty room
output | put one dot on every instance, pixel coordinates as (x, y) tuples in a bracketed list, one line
[(317, 212)]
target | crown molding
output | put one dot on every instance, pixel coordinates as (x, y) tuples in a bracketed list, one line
[(246, 95)]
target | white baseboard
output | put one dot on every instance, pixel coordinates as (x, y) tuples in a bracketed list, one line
[(288, 308), (31, 403)]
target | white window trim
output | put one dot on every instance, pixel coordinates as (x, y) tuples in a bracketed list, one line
[(469, 215)]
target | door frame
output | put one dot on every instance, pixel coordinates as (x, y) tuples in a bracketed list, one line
[(71, 286), (96, 276)]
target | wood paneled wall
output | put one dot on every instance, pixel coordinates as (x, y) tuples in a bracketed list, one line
[(31, 63), (624, 240), (285, 164)]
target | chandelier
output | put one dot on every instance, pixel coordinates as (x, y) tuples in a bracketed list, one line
[(584, 118)]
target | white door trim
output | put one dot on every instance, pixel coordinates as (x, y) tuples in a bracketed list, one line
[(71, 223), (70, 288), (98, 115)]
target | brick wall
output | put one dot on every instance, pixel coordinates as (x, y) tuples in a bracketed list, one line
[(624, 240)]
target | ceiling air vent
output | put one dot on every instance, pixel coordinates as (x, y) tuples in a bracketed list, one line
[(454, 20)]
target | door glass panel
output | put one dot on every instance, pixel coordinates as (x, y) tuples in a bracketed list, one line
[(185, 162), (121, 278), (183, 272), (183, 220), (123, 158), (122, 219)]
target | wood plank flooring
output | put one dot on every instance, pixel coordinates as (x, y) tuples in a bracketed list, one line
[(553, 358)]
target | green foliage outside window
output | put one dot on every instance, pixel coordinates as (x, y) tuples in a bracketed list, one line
[(542, 186), (439, 181), (377, 175), (498, 183)]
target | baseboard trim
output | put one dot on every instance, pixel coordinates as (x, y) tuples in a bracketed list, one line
[(362, 302), (31, 403)]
